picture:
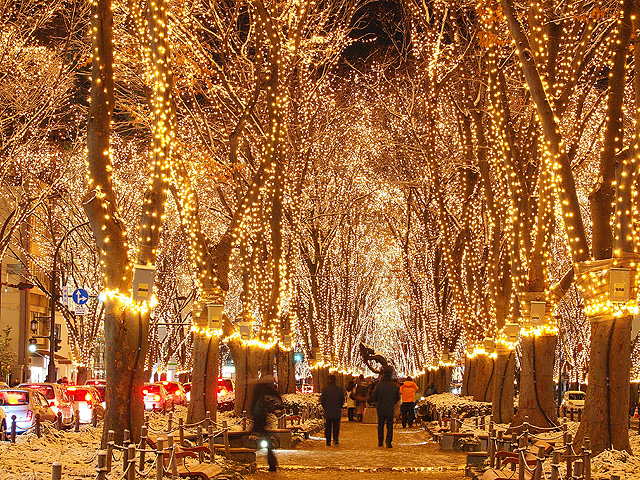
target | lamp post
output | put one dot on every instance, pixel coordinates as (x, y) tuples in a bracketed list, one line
[(51, 372)]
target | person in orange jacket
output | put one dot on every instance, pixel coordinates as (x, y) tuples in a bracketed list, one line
[(408, 392)]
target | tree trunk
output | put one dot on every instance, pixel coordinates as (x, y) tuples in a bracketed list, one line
[(126, 336), (204, 388), (502, 401), (183, 377), (443, 379), (605, 419), (248, 359), (470, 374), (286, 371), (319, 376), (536, 382), (483, 387), (81, 375)]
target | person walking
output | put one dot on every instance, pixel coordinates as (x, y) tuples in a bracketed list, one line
[(386, 395), (362, 388), (331, 400), (351, 400), (408, 392), (265, 400)]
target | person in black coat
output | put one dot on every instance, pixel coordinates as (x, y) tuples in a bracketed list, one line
[(331, 399), (265, 400), (386, 395)]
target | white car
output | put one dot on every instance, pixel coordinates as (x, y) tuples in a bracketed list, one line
[(25, 404), (573, 400)]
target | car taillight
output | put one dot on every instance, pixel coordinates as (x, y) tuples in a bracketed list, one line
[(29, 415), (178, 393), (54, 403), (145, 391), (87, 397), (223, 392), (156, 397)]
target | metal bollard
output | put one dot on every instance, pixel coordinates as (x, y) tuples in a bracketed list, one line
[(76, 421), (199, 443), (110, 444), (212, 445), (131, 454), (59, 421), (56, 471), (13, 428), (102, 465), (143, 445), (38, 426), (160, 459), (225, 435), (181, 431)]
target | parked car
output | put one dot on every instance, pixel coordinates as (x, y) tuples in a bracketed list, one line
[(573, 400), (100, 384), (176, 389), (304, 388), (86, 400), (154, 394), (56, 395), (25, 404), (3, 386), (225, 385)]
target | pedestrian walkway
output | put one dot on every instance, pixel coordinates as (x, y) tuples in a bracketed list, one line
[(358, 456)]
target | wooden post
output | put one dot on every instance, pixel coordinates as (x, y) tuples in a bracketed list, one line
[(56, 471), (615, 477), (568, 454), (76, 422), (555, 465), (244, 421), (586, 457), (500, 441), (94, 418), (102, 465), (537, 473), (131, 455), (199, 443), (491, 449), (173, 465), (513, 446), (110, 443), (521, 451), (577, 469), (13, 428), (225, 435), (160, 459), (212, 445), (181, 431), (170, 422), (143, 445), (59, 421), (482, 422), (38, 426), (207, 420), (564, 430), (126, 440)]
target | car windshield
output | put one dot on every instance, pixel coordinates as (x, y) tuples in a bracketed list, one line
[(14, 398), (46, 390), (576, 396), (226, 384), (78, 394)]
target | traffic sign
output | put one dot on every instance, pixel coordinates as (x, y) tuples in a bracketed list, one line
[(80, 296), (80, 309)]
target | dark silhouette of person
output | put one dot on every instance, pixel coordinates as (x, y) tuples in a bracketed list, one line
[(386, 395), (331, 400), (265, 400)]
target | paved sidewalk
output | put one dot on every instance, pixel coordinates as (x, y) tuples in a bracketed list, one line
[(359, 457)]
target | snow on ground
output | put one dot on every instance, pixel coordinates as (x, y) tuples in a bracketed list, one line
[(449, 401)]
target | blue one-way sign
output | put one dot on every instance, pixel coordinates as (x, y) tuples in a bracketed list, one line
[(80, 296)]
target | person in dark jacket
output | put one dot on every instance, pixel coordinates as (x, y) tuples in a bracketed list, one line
[(265, 400), (331, 399), (386, 395), (361, 396)]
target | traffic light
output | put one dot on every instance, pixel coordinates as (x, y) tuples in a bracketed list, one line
[(57, 346), (33, 345)]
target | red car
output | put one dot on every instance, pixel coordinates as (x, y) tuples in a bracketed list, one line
[(176, 389), (225, 385), (156, 397), (100, 385)]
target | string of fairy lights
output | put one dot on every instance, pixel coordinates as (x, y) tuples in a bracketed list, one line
[(293, 119)]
